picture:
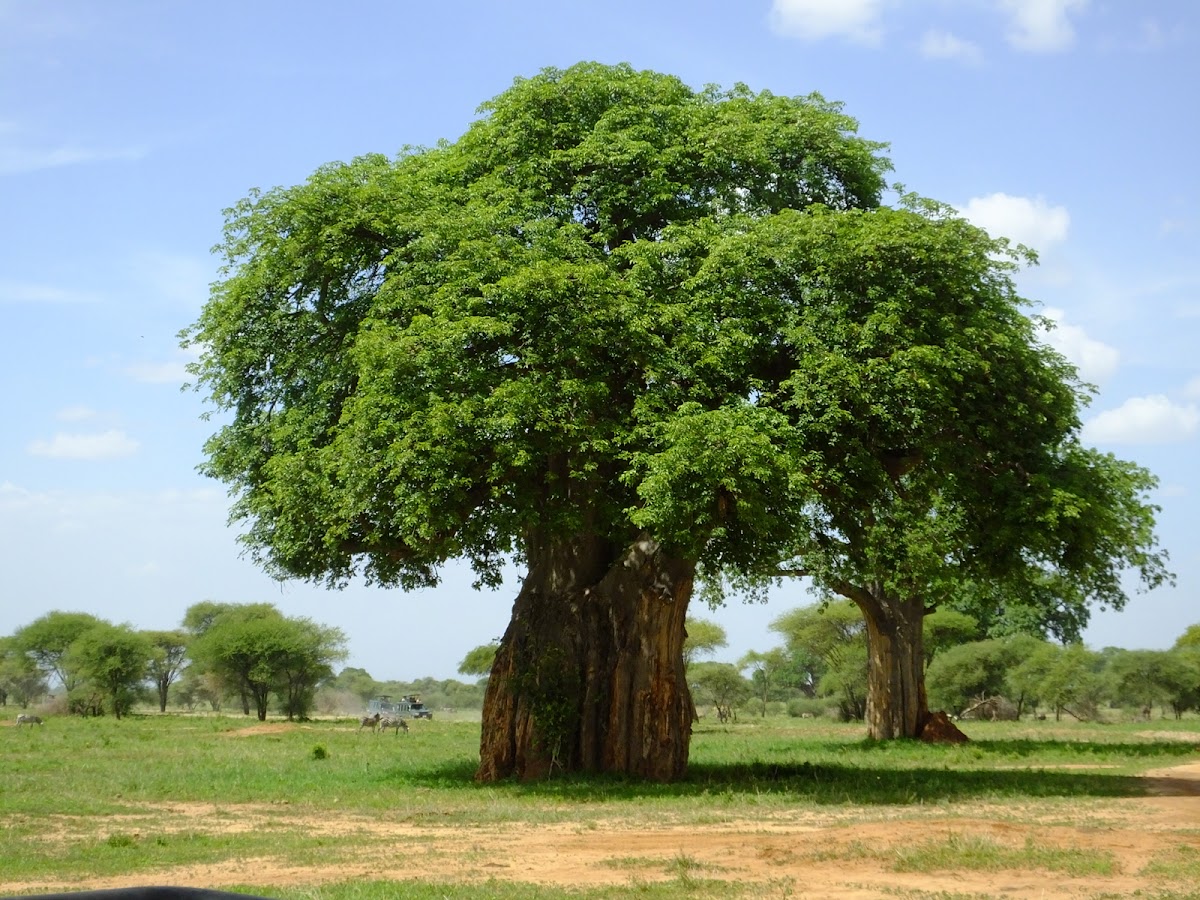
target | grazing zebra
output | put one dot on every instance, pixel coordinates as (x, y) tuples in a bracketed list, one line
[(368, 722), (393, 722), (29, 719)]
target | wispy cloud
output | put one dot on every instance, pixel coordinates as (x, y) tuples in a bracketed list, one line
[(1095, 360), (1029, 221), (938, 44), (19, 160), (31, 292), (75, 414), (174, 277), (1154, 419), (111, 444), (158, 373), (164, 372), (1041, 26), (859, 21)]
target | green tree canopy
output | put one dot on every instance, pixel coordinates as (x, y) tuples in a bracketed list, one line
[(720, 684), (945, 629), (479, 660), (170, 650), (1144, 678), (114, 661), (765, 667), (1190, 639), (626, 332), (356, 681), (704, 638), (48, 639), (21, 680), (827, 643), (258, 649), (480, 350), (980, 670)]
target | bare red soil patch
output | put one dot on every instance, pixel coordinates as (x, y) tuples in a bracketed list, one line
[(834, 853)]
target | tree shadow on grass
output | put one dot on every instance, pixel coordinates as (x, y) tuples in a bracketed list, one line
[(1001, 769)]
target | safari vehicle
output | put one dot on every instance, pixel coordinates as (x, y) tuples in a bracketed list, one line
[(407, 707)]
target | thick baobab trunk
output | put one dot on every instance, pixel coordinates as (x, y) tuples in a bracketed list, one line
[(896, 703), (589, 676)]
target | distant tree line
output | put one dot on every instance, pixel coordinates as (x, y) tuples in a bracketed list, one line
[(248, 657), (250, 654), (253, 658), (972, 669)]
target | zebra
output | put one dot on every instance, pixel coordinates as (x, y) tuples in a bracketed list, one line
[(368, 722), (396, 722), (29, 719)]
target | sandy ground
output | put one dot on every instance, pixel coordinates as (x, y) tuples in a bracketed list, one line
[(822, 853)]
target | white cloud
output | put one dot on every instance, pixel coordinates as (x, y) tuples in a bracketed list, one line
[(111, 444), (937, 44), (169, 372), (812, 20), (1144, 420), (158, 373), (75, 414), (1041, 26), (175, 278), (1094, 359), (28, 292), (19, 160), (1192, 389), (1032, 222)]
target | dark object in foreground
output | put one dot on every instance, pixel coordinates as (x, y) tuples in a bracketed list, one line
[(938, 729), (145, 893)]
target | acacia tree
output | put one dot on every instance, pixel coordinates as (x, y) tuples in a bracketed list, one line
[(236, 644), (479, 660), (826, 643), (47, 640), (765, 668), (303, 657), (224, 677), (166, 663), (257, 647), (722, 685), (704, 638), (113, 659), (626, 333), (21, 681)]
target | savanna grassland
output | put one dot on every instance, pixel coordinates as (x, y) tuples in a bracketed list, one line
[(770, 808)]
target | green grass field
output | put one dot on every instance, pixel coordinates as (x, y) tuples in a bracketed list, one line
[(151, 798)]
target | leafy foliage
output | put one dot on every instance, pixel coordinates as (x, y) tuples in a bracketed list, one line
[(478, 660), (114, 661), (440, 355), (48, 639), (618, 306), (259, 652), (704, 638)]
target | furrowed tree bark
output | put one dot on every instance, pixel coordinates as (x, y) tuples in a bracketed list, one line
[(896, 701), (589, 675)]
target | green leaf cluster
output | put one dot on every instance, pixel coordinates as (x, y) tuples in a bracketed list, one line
[(618, 305)]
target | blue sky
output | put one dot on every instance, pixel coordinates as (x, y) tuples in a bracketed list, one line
[(127, 127)]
